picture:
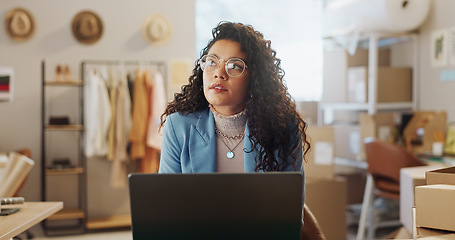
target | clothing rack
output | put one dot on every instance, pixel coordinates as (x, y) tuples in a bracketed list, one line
[(119, 220), (161, 65)]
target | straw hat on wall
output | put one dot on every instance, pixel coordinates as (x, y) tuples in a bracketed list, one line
[(87, 27), (19, 24), (156, 29)]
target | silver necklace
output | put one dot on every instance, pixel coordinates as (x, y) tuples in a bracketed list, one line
[(219, 133), (230, 154)]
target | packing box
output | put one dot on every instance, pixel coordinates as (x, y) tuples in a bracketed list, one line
[(347, 141), (379, 126), (419, 134), (435, 206), (327, 200), (428, 233), (409, 179), (355, 183), (393, 84), (441, 176), (320, 157), (335, 68)]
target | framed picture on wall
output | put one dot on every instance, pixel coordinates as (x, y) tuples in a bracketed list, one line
[(6, 84), (439, 48)]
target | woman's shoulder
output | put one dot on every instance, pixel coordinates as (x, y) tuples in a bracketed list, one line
[(187, 118)]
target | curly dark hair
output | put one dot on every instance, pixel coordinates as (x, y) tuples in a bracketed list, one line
[(273, 121)]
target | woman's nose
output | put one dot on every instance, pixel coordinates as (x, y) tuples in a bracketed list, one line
[(220, 72)]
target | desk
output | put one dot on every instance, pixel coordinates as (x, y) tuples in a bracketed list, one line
[(30, 214)]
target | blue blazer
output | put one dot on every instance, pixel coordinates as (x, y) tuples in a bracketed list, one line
[(189, 145)]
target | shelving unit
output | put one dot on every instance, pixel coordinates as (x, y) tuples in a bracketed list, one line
[(71, 219), (373, 42)]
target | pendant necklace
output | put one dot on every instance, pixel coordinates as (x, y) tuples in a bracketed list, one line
[(230, 154)]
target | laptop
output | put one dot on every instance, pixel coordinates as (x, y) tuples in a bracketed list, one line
[(216, 206)]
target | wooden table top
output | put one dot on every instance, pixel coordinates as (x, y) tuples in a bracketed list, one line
[(30, 213)]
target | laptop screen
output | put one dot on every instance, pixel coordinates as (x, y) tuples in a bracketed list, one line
[(216, 206)]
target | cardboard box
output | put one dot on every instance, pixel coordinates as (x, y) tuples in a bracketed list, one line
[(320, 157), (441, 176), (429, 233), (419, 133), (327, 200), (355, 183), (409, 179), (435, 206), (379, 126), (393, 84), (347, 141), (401, 233), (335, 68)]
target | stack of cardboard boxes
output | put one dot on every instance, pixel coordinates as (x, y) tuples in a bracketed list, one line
[(427, 209), (435, 205), (325, 194)]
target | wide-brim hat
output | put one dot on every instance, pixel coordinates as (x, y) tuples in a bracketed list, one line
[(19, 24), (87, 27), (156, 29)]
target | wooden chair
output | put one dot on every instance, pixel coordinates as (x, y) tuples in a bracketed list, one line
[(383, 179), (310, 229)]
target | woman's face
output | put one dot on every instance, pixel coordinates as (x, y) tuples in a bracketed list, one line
[(227, 94)]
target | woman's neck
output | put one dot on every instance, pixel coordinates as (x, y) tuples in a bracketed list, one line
[(223, 122)]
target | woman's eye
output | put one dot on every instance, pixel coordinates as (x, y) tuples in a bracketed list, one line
[(211, 63), (235, 66)]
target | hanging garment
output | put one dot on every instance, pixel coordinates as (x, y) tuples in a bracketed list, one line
[(151, 161), (139, 116), (157, 108), (157, 105), (122, 127), (113, 102), (97, 115)]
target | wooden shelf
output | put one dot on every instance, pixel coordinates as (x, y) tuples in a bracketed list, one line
[(68, 214), (116, 221), (68, 171), (71, 127), (55, 83)]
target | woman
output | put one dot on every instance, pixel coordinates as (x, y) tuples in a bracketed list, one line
[(235, 97)]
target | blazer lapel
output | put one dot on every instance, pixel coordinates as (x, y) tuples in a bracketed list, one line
[(202, 144)]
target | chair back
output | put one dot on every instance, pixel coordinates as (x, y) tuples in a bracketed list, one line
[(311, 229), (384, 163)]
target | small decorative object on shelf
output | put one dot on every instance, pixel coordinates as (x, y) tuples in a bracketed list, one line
[(61, 163), (67, 74), (63, 74), (58, 73), (59, 120)]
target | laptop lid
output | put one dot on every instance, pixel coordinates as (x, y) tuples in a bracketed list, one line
[(216, 206)]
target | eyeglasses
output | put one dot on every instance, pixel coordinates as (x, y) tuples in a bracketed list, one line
[(234, 66)]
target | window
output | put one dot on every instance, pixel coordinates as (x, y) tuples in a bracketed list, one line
[(293, 26)]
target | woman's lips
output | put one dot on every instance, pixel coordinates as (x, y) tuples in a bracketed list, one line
[(218, 87)]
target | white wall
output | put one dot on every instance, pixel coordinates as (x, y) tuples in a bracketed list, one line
[(434, 94), (20, 121)]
